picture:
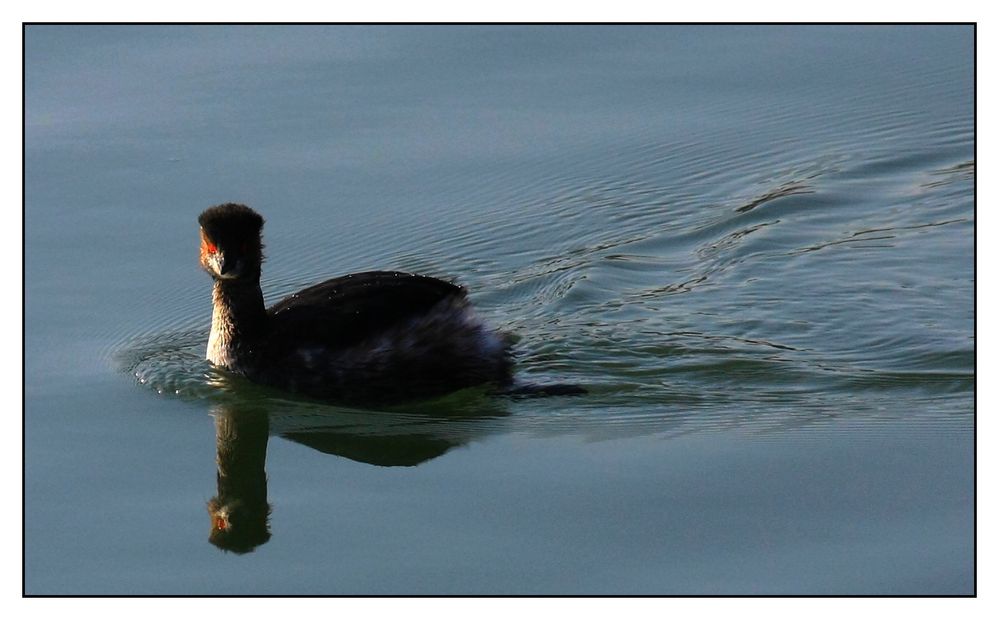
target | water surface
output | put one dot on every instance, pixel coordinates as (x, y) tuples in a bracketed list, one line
[(753, 246)]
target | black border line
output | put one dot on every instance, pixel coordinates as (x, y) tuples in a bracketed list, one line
[(974, 594)]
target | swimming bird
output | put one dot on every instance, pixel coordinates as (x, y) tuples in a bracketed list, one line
[(377, 336)]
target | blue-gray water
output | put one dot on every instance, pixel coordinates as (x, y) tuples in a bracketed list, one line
[(753, 245)]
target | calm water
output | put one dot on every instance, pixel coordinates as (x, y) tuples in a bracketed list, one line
[(753, 245)]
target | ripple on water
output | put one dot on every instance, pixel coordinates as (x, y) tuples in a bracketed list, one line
[(689, 286)]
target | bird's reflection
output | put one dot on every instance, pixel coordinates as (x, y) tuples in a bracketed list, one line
[(240, 512)]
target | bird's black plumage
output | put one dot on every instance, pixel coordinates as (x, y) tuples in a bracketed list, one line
[(345, 311)]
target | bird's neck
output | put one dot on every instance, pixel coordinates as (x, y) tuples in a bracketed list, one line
[(238, 319)]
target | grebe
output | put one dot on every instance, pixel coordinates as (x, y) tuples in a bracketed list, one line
[(378, 336)]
